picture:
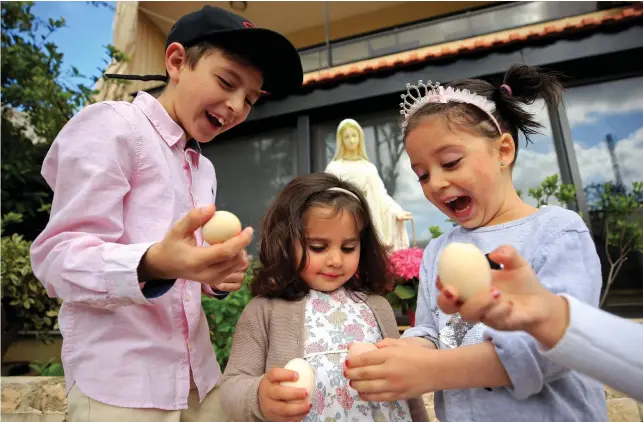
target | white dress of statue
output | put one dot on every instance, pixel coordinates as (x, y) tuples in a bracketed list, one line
[(351, 163)]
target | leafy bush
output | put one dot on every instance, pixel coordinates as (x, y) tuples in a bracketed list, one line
[(619, 214), (222, 316), (49, 368), (23, 292), (39, 96)]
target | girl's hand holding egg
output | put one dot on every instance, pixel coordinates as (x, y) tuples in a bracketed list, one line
[(285, 394)]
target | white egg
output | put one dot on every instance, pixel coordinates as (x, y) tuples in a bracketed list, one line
[(222, 226), (307, 378), (359, 348), (465, 267)]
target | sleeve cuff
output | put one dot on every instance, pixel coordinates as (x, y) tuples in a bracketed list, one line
[(121, 272), (569, 342), (519, 361), (424, 332), (156, 288), (215, 293)]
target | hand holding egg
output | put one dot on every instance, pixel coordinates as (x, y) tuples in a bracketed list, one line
[(307, 378), (516, 301), (179, 254), (278, 400)]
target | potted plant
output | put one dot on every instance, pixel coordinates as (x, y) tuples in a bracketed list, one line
[(405, 268)]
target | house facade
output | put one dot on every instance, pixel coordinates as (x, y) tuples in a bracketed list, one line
[(358, 57)]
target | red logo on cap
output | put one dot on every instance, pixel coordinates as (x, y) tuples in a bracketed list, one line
[(248, 25)]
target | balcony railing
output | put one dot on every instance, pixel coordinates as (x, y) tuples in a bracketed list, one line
[(438, 31)]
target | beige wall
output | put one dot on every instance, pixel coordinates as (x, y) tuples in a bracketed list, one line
[(30, 349), (136, 36), (373, 21)]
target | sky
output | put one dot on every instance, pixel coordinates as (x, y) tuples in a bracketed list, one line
[(88, 30)]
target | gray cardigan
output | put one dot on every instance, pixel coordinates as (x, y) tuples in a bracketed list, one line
[(270, 332)]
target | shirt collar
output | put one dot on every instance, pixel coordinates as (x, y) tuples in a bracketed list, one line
[(169, 130), (193, 147), (193, 144)]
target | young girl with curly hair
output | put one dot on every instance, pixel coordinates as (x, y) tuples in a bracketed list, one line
[(323, 271)]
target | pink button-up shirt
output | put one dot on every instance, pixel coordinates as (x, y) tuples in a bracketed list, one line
[(122, 176)]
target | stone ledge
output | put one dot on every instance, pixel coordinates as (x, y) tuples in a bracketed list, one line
[(33, 395), (42, 399)]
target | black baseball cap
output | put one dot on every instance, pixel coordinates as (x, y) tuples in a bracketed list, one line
[(268, 50)]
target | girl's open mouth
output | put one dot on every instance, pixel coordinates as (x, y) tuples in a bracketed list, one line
[(459, 206)]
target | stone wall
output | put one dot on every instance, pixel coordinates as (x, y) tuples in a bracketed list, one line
[(42, 399)]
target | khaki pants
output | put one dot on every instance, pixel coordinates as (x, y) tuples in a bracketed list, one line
[(83, 409)]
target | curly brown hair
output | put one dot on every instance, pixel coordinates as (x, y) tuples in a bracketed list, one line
[(284, 225)]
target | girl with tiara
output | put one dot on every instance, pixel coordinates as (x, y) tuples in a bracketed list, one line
[(461, 141), (323, 270)]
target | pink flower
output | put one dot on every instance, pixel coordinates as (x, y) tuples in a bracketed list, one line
[(344, 398), (319, 401), (405, 263), (339, 296), (368, 317), (354, 332), (321, 306), (317, 347)]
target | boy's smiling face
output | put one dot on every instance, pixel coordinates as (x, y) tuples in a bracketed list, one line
[(212, 96)]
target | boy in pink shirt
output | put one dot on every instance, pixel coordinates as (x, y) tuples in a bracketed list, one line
[(123, 249)]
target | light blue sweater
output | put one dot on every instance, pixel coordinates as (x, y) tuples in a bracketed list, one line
[(558, 245)]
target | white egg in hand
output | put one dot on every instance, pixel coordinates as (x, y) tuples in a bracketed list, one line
[(222, 226), (307, 378), (465, 267), (359, 348)]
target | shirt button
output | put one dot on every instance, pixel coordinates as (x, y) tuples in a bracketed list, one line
[(187, 298), (189, 347)]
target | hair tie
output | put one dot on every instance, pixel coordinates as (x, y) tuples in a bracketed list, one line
[(507, 88)]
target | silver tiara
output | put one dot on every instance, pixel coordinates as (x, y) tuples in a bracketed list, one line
[(418, 95)]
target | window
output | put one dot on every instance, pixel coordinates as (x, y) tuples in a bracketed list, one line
[(607, 127), (250, 172), (606, 122), (538, 159)]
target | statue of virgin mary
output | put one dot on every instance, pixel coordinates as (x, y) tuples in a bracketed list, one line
[(351, 163)]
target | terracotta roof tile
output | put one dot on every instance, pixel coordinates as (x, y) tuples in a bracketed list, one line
[(505, 38)]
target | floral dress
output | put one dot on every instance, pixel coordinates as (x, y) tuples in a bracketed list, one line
[(331, 322)]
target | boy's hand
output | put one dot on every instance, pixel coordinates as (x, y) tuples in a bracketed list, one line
[(518, 301), (178, 256), (279, 403)]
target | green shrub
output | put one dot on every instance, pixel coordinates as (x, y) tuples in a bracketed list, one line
[(23, 292), (49, 368), (222, 316)]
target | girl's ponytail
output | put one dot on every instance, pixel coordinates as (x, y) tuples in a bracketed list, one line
[(522, 85)]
